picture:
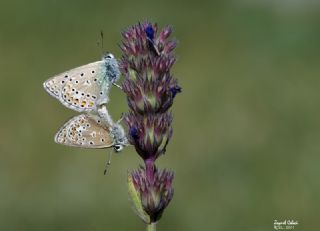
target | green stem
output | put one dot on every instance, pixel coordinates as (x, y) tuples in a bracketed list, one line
[(151, 227)]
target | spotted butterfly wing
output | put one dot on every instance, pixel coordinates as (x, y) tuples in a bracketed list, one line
[(81, 89), (85, 131), (85, 88)]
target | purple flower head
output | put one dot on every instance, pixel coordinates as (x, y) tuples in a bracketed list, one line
[(151, 96), (135, 40), (149, 135), (155, 195), (148, 83), (147, 59)]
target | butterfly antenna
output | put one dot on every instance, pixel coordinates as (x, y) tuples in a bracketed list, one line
[(108, 163), (118, 86), (100, 42), (101, 35)]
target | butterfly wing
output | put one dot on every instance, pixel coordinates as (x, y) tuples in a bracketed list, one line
[(85, 131), (82, 88), (55, 84)]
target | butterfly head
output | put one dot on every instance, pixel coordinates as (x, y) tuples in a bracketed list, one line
[(118, 147), (120, 139), (108, 56), (111, 68)]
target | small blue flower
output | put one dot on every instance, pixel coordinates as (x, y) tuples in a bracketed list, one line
[(134, 133), (150, 32), (176, 89)]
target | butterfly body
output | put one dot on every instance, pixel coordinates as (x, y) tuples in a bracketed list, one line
[(85, 88)]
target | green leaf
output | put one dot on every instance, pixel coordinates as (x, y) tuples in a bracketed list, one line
[(136, 200)]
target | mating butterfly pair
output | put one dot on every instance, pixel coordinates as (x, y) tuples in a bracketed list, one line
[(86, 89)]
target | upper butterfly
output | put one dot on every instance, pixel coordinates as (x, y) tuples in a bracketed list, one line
[(85, 88)]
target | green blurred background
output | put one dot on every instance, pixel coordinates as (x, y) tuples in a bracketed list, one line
[(245, 149)]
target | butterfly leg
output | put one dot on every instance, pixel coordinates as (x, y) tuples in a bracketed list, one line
[(121, 118), (108, 163)]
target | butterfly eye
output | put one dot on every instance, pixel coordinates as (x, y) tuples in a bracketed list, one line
[(118, 148), (109, 56)]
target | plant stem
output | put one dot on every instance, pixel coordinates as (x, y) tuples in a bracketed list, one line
[(151, 227), (150, 169)]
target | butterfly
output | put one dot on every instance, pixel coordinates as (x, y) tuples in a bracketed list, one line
[(92, 131), (85, 88)]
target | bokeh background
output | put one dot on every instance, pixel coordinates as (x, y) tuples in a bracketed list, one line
[(245, 149)]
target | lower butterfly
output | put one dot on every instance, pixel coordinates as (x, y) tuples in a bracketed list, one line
[(92, 131), (85, 88)]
